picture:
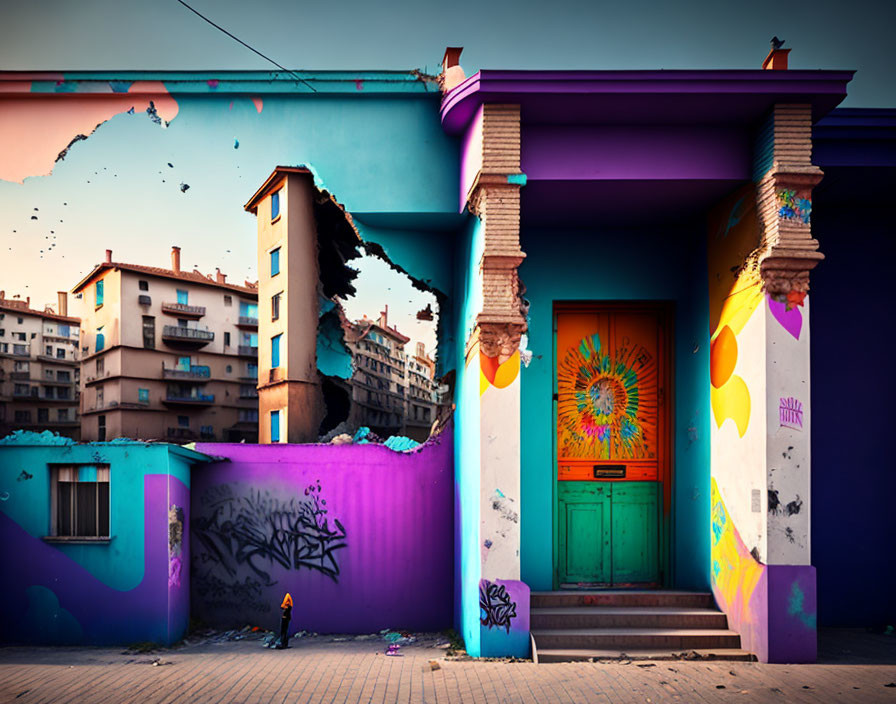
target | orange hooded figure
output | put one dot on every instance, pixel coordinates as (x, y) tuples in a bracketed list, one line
[(286, 615)]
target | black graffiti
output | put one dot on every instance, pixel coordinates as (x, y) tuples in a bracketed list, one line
[(259, 530), (215, 592), (774, 503), (495, 605), (794, 506)]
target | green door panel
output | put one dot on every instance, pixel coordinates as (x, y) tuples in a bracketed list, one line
[(608, 532), (635, 532), (584, 532)]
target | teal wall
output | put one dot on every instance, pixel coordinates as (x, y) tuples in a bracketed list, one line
[(120, 563), (468, 302), (662, 264)]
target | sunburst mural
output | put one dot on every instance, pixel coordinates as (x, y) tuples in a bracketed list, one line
[(606, 403)]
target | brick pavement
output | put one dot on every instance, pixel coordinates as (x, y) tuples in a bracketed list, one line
[(320, 670)]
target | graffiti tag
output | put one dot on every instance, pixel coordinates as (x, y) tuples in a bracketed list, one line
[(260, 530), (790, 413), (496, 608)]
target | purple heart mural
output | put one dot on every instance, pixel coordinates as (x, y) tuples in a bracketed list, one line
[(791, 320)]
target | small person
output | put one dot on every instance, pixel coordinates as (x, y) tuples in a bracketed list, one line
[(285, 616)]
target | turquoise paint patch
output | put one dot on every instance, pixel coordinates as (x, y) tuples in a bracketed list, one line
[(120, 86), (518, 179), (333, 357), (795, 607), (47, 620)]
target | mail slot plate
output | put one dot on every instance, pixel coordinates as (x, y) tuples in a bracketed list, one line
[(609, 471)]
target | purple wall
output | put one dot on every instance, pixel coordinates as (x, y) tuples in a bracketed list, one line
[(362, 537)]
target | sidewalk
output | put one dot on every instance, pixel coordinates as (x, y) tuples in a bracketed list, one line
[(855, 667)]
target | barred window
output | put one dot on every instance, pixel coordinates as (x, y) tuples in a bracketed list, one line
[(81, 498)]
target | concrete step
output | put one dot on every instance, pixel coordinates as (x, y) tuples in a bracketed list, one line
[(621, 598), (570, 655), (635, 638), (555, 618)]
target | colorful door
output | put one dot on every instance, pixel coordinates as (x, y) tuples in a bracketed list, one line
[(611, 443)]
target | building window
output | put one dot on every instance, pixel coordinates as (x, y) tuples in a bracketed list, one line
[(20, 336), (227, 339), (183, 421), (100, 397), (229, 368), (275, 351), (63, 376), (183, 364), (64, 331), (275, 262), (100, 339), (149, 332), (228, 300), (275, 305), (143, 395), (275, 426), (43, 415), (60, 353), (275, 205), (144, 285), (81, 496), (23, 416), (100, 366), (20, 320), (101, 427), (98, 293), (182, 297), (62, 414), (2, 332), (48, 351), (252, 370)]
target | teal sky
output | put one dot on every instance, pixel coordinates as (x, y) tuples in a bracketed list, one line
[(498, 34), (116, 189)]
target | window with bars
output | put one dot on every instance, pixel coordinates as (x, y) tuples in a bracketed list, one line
[(81, 500)]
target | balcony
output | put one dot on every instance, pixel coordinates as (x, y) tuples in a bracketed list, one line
[(276, 374), (172, 399), (180, 336), (197, 373), (188, 434), (247, 351), (57, 360), (182, 310), (20, 375), (245, 321), (246, 395)]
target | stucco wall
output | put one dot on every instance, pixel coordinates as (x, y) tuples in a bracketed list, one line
[(359, 535), (107, 593)]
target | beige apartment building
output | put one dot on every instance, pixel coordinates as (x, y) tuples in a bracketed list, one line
[(422, 394), (290, 399), (379, 383), (167, 354), (38, 368)]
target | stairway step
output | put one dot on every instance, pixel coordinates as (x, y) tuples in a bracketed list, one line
[(635, 638), (553, 655), (621, 598), (550, 618)]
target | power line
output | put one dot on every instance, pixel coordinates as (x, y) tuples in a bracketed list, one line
[(266, 58)]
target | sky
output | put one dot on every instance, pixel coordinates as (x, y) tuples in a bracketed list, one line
[(103, 196), (497, 34)]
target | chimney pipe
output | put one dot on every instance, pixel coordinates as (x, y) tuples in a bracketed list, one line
[(108, 256), (219, 277), (175, 259), (452, 73), (62, 298), (28, 302)]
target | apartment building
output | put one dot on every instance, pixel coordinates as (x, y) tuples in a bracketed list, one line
[(38, 368), (167, 354), (379, 383), (422, 396)]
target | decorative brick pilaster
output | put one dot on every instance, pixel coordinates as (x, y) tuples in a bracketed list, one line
[(495, 198), (788, 252)]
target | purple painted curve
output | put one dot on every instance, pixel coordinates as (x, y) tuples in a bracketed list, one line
[(791, 320), (96, 614), (396, 569)]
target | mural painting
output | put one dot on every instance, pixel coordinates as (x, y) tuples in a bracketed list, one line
[(736, 576), (497, 609), (602, 401), (175, 544)]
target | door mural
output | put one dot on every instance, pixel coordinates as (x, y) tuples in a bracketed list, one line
[(611, 443)]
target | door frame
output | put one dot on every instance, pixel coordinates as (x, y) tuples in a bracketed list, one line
[(666, 474)]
